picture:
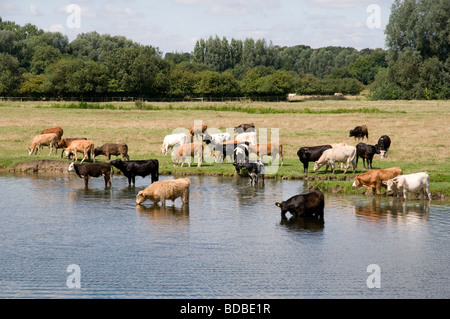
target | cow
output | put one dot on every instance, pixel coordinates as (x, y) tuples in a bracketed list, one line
[(82, 146), (254, 169), (143, 168), (417, 182), (270, 149), (384, 142), (164, 190), (303, 205), (241, 153), (112, 149), (308, 154), (249, 137), (344, 154), (359, 132), (245, 127), (50, 139), (186, 151), (222, 150), (57, 130), (374, 179), (63, 143), (93, 170), (197, 129), (216, 138), (337, 94), (366, 152), (172, 140)]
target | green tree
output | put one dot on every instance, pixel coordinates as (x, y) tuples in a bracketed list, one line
[(10, 74)]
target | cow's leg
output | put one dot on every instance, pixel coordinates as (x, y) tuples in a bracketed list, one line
[(84, 157), (86, 179), (134, 180)]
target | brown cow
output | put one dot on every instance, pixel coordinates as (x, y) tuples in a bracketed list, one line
[(112, 149), (57, 130), (187, 151), (270, 149), (65, 142), (373, 179), (197, 130), (85, 147)]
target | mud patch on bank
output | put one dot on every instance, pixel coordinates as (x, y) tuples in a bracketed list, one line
[(41, 166)]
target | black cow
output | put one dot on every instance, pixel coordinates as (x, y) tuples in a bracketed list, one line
[(310, 204), (383, 145), (112, 149), (359, 132), (366, 152), (246, 127), (254, 169), (93, 170), (310, 154), (131, 169)]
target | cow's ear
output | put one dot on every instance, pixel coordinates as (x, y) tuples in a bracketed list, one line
[(277, 204), (384, 182)]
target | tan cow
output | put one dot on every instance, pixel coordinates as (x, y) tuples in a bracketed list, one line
[(344, 154), (186, 151), (270, 149), (81, 146), (373, 179), (50, 139), (163, 190)]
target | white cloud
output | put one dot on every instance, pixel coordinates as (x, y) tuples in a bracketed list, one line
[(34, 11), (232, 7), (56, 28)]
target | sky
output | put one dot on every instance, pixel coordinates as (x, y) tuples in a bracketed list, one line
[(176, 25)]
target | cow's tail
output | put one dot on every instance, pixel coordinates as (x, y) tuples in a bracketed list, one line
[(91, 152), (155, 176)]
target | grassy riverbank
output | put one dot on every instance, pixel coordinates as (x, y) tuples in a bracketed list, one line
[(419, 131)]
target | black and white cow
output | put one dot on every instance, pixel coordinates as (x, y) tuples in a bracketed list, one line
[(143, 168), (384, 142), (254, 169), (309, 204)]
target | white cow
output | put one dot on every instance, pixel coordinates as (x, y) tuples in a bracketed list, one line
[(218, 138), (344, 154), (410, 183), (172, 140), (249, 137)]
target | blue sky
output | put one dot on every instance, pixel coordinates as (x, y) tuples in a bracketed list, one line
[(175, 25)]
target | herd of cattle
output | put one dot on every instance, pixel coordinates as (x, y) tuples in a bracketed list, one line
[(239, 148)]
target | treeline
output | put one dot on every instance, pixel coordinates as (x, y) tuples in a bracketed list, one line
[(38, 63)]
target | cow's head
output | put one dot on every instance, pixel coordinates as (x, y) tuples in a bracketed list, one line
[(283, 208), (140, 198), (391, 184), (316, 166), (71, 167), (356, 182), (117, 163)]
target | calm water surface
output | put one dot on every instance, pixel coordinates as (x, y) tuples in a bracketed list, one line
[(230, 243)]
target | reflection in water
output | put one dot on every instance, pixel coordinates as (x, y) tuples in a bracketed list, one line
[(380, 209), (156, 211), (310, 223)]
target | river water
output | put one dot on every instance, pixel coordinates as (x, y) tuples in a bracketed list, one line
[(230, 242)]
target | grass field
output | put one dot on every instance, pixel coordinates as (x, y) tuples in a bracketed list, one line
[(419, 131)]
